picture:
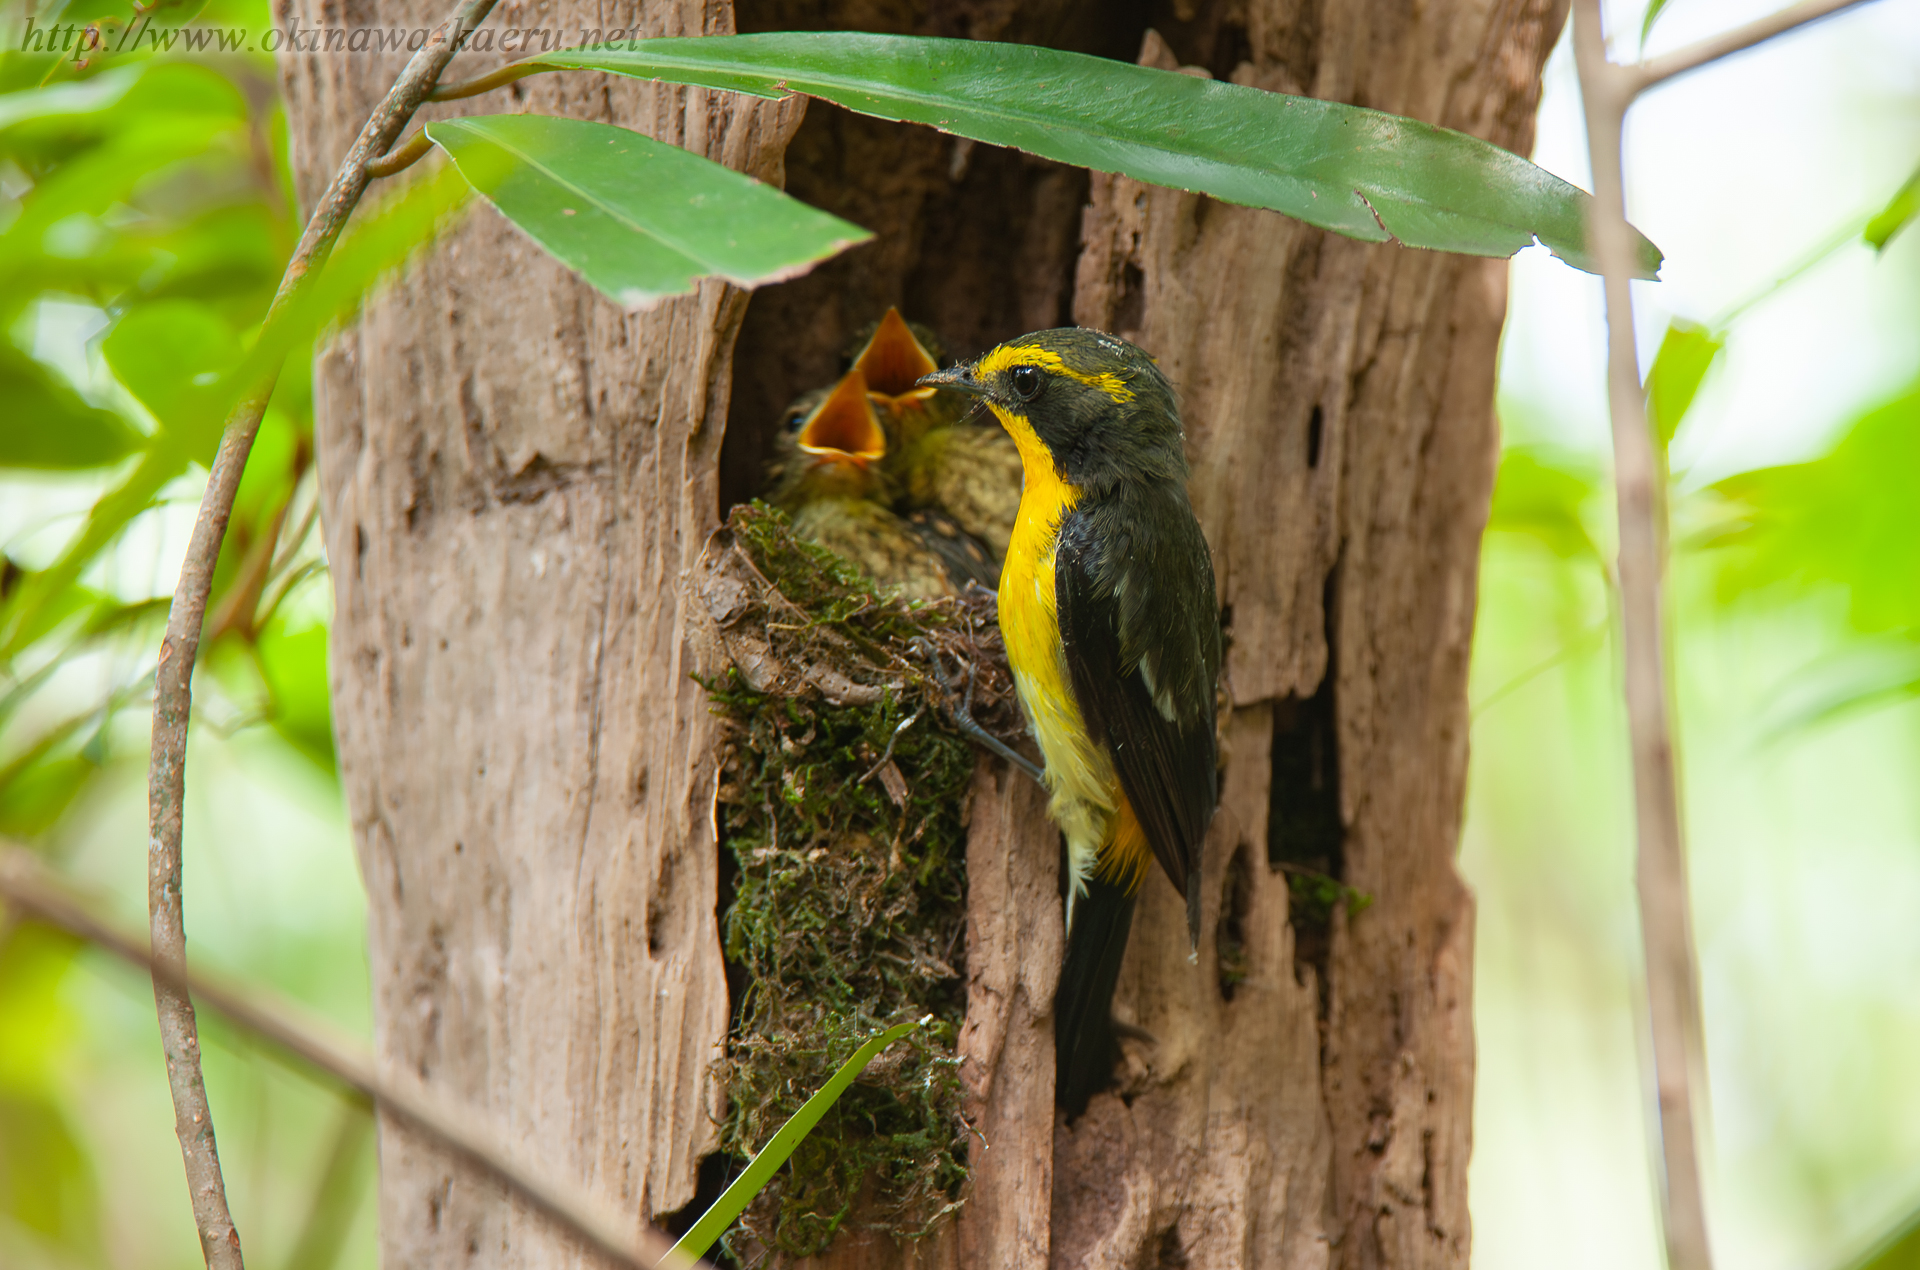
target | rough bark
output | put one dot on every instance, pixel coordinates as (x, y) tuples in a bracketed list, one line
[(1339, 401), (515, 474)]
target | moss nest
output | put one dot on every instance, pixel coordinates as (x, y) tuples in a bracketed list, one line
[(844, 804)]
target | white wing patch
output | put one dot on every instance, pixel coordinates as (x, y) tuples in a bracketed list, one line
[(1162, 699)]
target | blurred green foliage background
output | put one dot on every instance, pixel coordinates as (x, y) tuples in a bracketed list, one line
[(145, 216)]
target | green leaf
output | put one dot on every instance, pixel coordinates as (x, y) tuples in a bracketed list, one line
[(30, 610), (1543, 496), (1686, 353), (232, 255), (733, 1201), (1898, 1249), (379, 243), (40, 243), (1357, 172), (294, 666), (37, 1042), (1845, 520), (167, 353), (49, 426), (1654, 10), (69, 100), (33, 799), (267, 484), (1895, 215), (46, 1181), (142, 93), (639, 219)]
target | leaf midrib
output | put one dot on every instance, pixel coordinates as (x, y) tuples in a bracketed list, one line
[(1215, 154)]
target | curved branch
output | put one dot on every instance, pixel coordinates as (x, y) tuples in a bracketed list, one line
[(1656, 70), (486, 83), (461, 1131), (180, 648), (401, 157)]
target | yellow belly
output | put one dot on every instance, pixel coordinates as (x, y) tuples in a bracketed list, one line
[(1086, 794)]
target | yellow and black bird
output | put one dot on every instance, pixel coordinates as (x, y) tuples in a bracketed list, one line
[(1111, 627), (826, 475), (941, 461)]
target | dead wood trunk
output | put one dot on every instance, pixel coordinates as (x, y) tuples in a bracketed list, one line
[(515, 474), (1339, 404)]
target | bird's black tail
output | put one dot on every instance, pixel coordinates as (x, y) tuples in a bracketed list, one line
[(1085, 1046)]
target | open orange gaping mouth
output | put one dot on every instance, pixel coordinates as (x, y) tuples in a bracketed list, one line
[(844, 425), (893, 360)]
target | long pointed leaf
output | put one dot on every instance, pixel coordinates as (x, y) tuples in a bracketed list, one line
[(23, 620), (49, 425), (1895, 215), (1687, 352), (1357, 172), (639, 219), (733, 1201)]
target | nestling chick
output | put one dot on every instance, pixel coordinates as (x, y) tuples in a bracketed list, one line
[(943, 455), (827, 476)]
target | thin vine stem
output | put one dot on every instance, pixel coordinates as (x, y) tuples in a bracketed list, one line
[(180, 648)]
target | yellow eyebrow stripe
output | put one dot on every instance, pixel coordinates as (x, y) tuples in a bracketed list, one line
[(1010, 355)]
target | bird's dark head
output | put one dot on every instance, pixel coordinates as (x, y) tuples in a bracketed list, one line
[(1094, 405)]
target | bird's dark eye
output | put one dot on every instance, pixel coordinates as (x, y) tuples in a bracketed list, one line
[(1026, 381), (793, 420)]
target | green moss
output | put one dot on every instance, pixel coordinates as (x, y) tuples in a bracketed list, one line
[(848, 913), (1314, 896)]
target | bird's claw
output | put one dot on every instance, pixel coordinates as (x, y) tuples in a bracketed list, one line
[(963, 714)]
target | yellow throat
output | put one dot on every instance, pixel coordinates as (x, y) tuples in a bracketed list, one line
[(1086, 793)]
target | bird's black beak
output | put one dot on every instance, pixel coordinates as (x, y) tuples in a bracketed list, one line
[(955, 378)]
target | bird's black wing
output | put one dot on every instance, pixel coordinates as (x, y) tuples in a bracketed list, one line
[(1141, 632)]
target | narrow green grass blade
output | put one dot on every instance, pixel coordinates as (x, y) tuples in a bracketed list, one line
[(639, 219), (1895, 215), (1357, 172), (733, 1201), (1898, 1249), (1654, 10)]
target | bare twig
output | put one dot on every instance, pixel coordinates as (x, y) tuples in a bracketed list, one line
[(1640, 490), (1658, 69), (460, 1131), (166, 773), (1672, 994), (240, 606), (1672, 989)]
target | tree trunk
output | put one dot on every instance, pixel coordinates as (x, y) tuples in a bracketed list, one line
[(1339, 406), (515, 474)]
